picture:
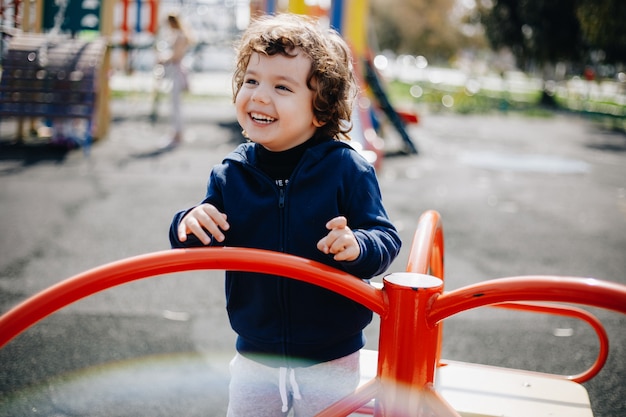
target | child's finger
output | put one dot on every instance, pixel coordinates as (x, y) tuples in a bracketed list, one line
[(211, 215), (194, 227), (182, 232), (338, 222), (348, 254)]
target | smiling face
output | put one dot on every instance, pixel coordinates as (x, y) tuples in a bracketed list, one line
[(274, 104)]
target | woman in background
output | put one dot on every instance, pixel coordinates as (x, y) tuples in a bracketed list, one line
[(180, 42)]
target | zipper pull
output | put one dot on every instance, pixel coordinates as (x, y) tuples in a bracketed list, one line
[(281, 188), (281, 199)]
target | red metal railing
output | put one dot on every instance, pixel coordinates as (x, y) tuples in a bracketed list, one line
[(411, 305), (427, 248), (576, 313)]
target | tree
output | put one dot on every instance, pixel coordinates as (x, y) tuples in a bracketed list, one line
[(602, 24), (541, 32), (538, 32), (422, 27)]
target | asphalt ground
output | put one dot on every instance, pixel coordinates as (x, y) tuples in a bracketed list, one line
[(517, 195)]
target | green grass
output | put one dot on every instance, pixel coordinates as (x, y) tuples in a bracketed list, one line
[(438, 97)]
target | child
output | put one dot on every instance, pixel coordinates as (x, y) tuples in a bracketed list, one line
[(294, 188)]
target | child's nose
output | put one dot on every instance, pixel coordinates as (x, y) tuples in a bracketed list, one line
[(260, 95)]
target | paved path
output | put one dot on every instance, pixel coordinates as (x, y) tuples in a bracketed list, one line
[(518, 196)]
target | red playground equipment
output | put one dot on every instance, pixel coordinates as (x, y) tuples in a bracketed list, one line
[(408, 376)]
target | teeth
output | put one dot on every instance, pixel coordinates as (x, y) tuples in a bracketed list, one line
[(257, 117)]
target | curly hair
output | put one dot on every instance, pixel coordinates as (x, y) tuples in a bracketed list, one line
[(331, 76)]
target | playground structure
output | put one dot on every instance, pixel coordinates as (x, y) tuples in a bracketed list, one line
[(408, 376), (53, 77), (51, 41), (127, 26)]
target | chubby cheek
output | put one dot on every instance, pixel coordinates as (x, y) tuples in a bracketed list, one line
[(240, 108)]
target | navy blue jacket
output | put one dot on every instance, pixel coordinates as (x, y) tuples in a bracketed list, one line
[(285, 319)]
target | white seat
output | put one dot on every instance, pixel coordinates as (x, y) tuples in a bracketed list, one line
[(476, 390)]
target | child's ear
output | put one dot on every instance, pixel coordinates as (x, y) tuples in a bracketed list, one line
[(317, 123)]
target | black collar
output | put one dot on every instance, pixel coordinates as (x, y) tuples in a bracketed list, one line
[(280, 165)]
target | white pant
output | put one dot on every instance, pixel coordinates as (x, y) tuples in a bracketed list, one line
[(179, 84), (261, 391)]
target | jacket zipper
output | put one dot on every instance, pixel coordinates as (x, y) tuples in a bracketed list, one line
[(281, 198), (283, 284)]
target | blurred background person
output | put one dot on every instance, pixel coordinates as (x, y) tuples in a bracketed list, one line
[(179, 40)]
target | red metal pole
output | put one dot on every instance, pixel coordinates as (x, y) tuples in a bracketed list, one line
[(575, 290), (125, 4), (427, 254), (427, 248), (154, 17), (408, 347), (46, 302), (576, 313)]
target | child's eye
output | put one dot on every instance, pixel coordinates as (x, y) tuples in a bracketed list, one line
[(250, 81), (283, 88)]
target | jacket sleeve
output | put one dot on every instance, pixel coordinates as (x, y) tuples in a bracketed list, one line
[(377, 237)]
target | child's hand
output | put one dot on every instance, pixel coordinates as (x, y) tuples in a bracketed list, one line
[(340, 241), (204, 216)]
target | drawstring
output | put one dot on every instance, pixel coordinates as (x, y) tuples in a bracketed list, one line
[(294, 385), (282, 386)]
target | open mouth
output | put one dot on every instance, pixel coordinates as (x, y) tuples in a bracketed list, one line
[(261, 118)]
